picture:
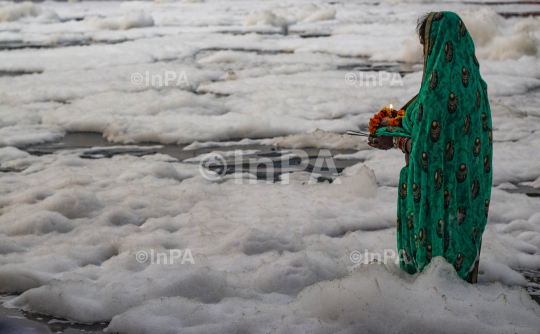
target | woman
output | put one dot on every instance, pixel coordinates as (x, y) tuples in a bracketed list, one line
[(444, 190)]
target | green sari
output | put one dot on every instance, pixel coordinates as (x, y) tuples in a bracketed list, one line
[(444, 193)]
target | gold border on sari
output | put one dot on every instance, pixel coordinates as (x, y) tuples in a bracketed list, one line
[(426, 48), (426, 42)]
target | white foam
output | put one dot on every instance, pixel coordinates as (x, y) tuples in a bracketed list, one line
[(13, 12), (360, 302), (283, 17), (11, 153), (499, 39), (138, 19), (265, 254), (23, 135)]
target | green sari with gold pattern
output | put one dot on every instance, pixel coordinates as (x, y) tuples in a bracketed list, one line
[(444, 193)]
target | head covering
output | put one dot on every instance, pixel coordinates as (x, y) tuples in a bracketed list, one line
[(445, 191)]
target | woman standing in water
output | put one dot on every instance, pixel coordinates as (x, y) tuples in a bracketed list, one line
[(445, 133)]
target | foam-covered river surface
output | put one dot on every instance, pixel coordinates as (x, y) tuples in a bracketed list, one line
[(109, 109)]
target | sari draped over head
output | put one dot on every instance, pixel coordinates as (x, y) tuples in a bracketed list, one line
[(444, 193)]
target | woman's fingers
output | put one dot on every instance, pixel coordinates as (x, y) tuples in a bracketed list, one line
[(382, 143)]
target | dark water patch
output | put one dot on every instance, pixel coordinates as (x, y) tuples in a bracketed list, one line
[(525, 14), (9, 170), (499, 3), (277, 30), (366, 66), (315, 35), (533, 277), (27, 45), (267, 163), (14, 321), (241, 32), (19, 44), (17, 73), (257, 51), (521, 189), (270, 166)]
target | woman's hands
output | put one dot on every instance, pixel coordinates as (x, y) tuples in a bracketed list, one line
[(380, 142), (386, 142)]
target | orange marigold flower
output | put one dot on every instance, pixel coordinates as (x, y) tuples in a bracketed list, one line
[(374, 122), (395, 122), (385, 112), (401, 112)]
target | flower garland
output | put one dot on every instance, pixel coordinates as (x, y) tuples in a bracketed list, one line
[(396, 121), (377, 118), (396, 117)]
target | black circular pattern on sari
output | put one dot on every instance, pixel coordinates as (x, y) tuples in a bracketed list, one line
[(435, 131), (484, 122), (429, 253), (461, 214), (459, 261), (474, 234), (467, 124), (398, 223), (433, 81), (486, 207), (410, 221), (447, 199), (440, 228), (475, 60), (449, 151), (403, 191), (476, 147), (487, 164), (461, 174), (417, 192), (448, 51), (446, 241), (420, 113), (422, 236), (452, 103), (478, 100), (462, 28), (465, 77), (438, 178), (490, 136), (475, 189), (438, 16), (424, 161)]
